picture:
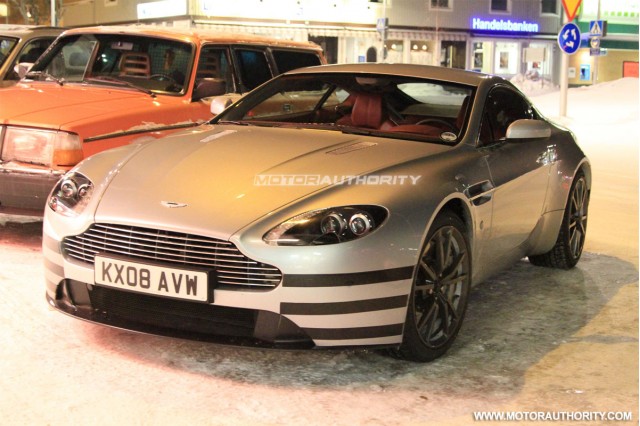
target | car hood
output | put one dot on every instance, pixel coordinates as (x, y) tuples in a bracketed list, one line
[(215, 180), (51, 105)]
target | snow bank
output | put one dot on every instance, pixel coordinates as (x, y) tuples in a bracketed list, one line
[(613, 102), (533, 87)]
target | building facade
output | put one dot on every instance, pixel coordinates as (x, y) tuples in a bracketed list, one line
[(503, 37)]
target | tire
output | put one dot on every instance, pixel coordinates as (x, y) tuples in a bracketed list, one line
[(570, 242), (440, 291)]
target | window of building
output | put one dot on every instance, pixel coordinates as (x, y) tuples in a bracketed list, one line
[(441, 4), (549, 6), (500, 6), (507, 59)]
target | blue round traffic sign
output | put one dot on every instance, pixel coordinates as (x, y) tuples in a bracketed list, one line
[(569, 38)]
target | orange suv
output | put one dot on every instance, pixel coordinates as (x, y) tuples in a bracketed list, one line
[(103, 87)]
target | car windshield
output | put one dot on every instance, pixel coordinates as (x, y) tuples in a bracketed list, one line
[(152, 64), (6, 46), (384, 105)]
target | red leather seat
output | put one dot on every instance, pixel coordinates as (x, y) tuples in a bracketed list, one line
[(367, 112)]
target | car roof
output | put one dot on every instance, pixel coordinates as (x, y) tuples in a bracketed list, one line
[(194, 35), (21, 31), (452, 75)]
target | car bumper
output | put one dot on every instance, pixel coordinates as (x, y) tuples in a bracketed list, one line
[(25, 191), (318, 310)]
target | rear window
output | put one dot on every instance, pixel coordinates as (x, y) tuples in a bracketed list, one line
[(287, 60)]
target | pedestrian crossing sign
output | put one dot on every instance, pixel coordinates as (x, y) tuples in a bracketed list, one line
[(597, 28)]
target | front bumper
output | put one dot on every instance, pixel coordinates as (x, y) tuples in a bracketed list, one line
[(174, 318), (24, 191), (315, 310)]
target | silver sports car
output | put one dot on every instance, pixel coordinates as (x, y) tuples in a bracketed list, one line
[(335, 206)]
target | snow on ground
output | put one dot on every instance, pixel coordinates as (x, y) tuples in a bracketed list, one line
[(534, 339), (533, 87)]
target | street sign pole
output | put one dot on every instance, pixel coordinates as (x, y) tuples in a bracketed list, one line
[(595, 60), (564, 81), (571, 9)]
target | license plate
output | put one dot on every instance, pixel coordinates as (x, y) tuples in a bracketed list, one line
[(177, 283)]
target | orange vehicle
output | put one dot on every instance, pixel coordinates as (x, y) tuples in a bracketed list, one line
[(22, 43), (103, 87)]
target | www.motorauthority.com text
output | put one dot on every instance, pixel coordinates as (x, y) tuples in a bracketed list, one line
[(541, 416)]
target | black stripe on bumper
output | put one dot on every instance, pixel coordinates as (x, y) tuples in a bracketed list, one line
[(54, 267), (341, 280), (337, 308), (355, 333), (51, 244)]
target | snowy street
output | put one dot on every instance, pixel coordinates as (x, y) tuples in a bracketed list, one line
[(534, 339)]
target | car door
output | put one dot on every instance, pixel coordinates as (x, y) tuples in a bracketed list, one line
[(519, 172)]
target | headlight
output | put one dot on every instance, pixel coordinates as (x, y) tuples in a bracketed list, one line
[(327, 226), (45, 147), (71, 194)]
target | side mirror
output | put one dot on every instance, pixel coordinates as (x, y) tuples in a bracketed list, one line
[(219, 103), (22, 69), (528, 129), (207, 87)]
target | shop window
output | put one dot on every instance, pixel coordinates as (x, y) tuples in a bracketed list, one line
[(506, 58), (549, 6), (441, 4), (453, 54), (421, 52), (393, 50), (482, 56), (329, 46), (500, 6)]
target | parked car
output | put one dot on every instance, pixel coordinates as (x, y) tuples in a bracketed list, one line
[(346, 205), (103, 87), (22, 43)]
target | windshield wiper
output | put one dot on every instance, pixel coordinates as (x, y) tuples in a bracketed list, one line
[(106, 79), (45, 74), (356, 130), (238, 123)]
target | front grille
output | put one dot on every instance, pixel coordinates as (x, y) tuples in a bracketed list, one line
[(172, 249)]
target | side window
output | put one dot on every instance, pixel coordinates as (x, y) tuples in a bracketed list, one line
[(32, 51), (214, 63), (287, 60), (502, 108), (253, 68)]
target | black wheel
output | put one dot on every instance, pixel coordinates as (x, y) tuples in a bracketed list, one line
[(438, 299), (570, 242)]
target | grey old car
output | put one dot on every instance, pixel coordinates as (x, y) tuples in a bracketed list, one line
[(335, 206), (22, 43)]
